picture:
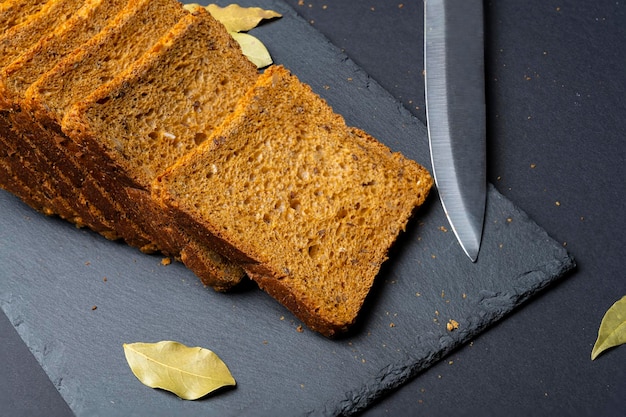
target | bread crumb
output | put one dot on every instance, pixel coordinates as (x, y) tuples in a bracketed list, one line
[(392, 324), (443, 228), (94, 308), (558, 203), (532, 166), (452, 325), (166, 261), (299, 329), (104, 279)]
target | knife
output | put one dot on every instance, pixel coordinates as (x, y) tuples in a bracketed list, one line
[(455, 113)]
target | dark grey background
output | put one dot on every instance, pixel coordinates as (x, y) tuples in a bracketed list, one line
[(555, 81)]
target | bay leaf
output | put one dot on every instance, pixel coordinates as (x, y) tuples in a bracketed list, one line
[(253, 49), (240, 19), (188, 372), (612, 331)]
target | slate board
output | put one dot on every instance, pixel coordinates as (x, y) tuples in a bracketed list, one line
[(52, 275)]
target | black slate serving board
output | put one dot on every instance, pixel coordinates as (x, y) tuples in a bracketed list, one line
[(53, 275)]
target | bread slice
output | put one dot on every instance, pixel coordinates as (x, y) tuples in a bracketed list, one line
[(308, 206), (163, 106)]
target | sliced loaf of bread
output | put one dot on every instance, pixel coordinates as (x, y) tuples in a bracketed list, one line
[(159, 109), (27, 136), (126, 37), (308, 206), (13, 42)]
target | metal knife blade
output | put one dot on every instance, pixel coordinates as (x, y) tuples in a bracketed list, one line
[(455, 112)]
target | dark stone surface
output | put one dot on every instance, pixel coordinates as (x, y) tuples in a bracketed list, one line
[(537, 360)]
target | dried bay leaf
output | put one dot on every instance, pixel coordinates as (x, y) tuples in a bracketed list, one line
[(253, 49), (188, 372), (612, 331), (239, 19)]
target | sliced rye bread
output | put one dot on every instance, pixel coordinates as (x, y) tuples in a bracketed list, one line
[(126, 37), (13, 43), (162, 107), (44, 54), (308, 206), (26, 136)]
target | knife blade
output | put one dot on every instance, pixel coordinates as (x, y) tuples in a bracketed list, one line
[(455, 113)]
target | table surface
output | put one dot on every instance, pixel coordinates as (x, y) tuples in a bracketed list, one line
[(555, 125)]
